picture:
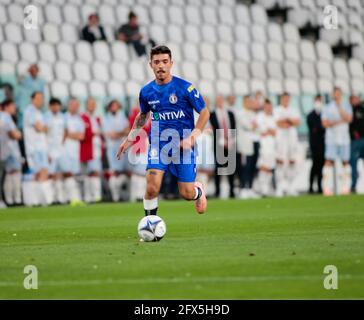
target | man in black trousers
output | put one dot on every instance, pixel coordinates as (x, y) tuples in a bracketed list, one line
[(224, 119), (317, 144)]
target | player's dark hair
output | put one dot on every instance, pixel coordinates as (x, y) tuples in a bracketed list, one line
[(267, 101), (285, 94), (131, 15), (160, 50), (111, 103), (318, 96), (35, 93), (337, 88), (53, 101), (6, 103)]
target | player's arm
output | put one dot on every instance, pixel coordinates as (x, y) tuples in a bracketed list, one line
[(345, 116), (76, 135), (295, 122), (39, 127), (330, 123), (201, 122), (283, 123), (139, 123), (14, 134)]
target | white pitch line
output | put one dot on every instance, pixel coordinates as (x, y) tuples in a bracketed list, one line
[(179, 280)]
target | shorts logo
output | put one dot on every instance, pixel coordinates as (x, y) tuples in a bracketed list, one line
[(153, 154), (173, 98)]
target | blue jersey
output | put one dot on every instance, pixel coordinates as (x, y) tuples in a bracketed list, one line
[(171, 105)]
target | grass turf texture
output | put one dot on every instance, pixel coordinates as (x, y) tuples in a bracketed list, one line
[(271, 248)]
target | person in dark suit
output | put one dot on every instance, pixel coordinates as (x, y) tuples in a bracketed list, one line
[(93, 31), (224, 119), (317, 144)]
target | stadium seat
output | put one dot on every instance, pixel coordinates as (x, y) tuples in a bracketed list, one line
[(212, 3), (258, 14), (28, 52), (292, 86), (9, 52), (325, 86), (291, 70), (15, 13), (132, 88), (207, 52), (189, 71), (331, 37), (13, 33), (82, 71), (258, 33), (119, 51), (242, 33), (208, 33), (192, 14), (101, 51), (100, 71), (110, 33), (226, 15), (7, 71), (158, 15), (309, 4), (356, 68), (47, 52), (308, 69), (224, 71), (298, 17), (229, 3), (274, 50), (343, 84), (291, 51), (86, 10), (157, 33), (65, 52), (176, 15), (274, 70), (3, 15), (223, 87), (240, 87), (291, 33), (354, 19), (51, 33), (107, 16), (209, 15), (206, 88), (207, 71), (308, 86), (308, 50), (69, 33), (192, 34), (357, 85), (356, 37), (79, 90), (122, 12), (115, 89), (242, 52), (324, 51), (136, 71), (176, 51), (324, 70), (274, 86), (242, 14), (63, 71), (118, 71), (71, 14), (224, 52), (59, 89), (257, 85), (190, 52), (241, 70), (180, 3), (267, 4), (175, 34), (46, 71), (97, 89), (358, 53), (2, 37), (53, 14), (84, 51), (275, 32), (257, 69), (225, 33), (22, 67), (258, 51), (341, 69)]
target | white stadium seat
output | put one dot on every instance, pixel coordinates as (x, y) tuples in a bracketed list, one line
[(242, 52), (176, 15), (100, 71), (53, 14), (13, 33), (258, 33), (97, 89), (292, 86), (136, 71), (275, 32), (159, 15), (63, 71), (120, 51), (308, 50), (192, 14), (225, 33), (341, 69), (33, 35), (192, 34), (299, 17), (79, 90), (257, 69), (241, 70), (51, 33), (224, 70), (242, 33), (175, 34), (71, 14), (107, 15), (257, 85), (308, 69), (291, 33), (122, 12), (28, 52), (15, 13), (176, 51), (324, 70), (331, 37), (208, 51), (324, 51), (3, 15), (190, 52), (47, 52), (207, 71), (157, 33), (46, 71), (258, 51), (226, 15), (224, 52), (274, 86), (291, 70), (308, 86), (86, 10), (223, 87), (209, 15), (189, 71), (59, 89), (209, 33), (82, 71), (240, 87), (132, 88), (115, 89), (291, 51), (118, 71), (22, 67), (356, 68), (325, 86), (267, 4), (258, 14), (274, 69), (206, 88), (9, 52), (343, 84), (69, 33), (84, 51), (274, 50), (357, 85), (7, 68), (242, 14), (65, 52), (102, 51)]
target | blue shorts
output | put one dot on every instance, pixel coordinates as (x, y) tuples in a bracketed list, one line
[(337, 152), (12, 163), (38, 160), (94, 165), (185, 171), (115, 164), (72, 165), (58, 165)]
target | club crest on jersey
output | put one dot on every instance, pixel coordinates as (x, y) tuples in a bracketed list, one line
[(173, 98)]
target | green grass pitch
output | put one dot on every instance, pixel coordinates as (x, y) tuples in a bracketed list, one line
[(269, 249)]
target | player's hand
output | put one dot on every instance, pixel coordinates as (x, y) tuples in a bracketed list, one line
[(188, 143), (124, 146)]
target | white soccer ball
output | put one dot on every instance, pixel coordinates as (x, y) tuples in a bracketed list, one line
[(152, 228)]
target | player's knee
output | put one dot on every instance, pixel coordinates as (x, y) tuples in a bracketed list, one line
[(187, 193), (152, 190)]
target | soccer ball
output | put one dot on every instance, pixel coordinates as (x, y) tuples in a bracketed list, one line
[(151, 228)]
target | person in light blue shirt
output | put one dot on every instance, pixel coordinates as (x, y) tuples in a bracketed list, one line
[(335, 118), (171, 102)]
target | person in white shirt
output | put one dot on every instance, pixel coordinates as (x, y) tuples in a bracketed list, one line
[(55, 123), (115, 127), (13, 162), (266, 126), (246, 131), (335, 118), (75, 132), (287, 119), (35, 139)]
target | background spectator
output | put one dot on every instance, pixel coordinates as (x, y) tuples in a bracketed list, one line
[(357, 138), (93, 31), (317, 144)]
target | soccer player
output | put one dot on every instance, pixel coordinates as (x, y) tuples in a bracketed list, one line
[(75, 132), (13, 161), (91, 152), (336, 117), (266, 126), (287, 120), (55, 122), (170, 101), (35, 138), (115, 127)]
